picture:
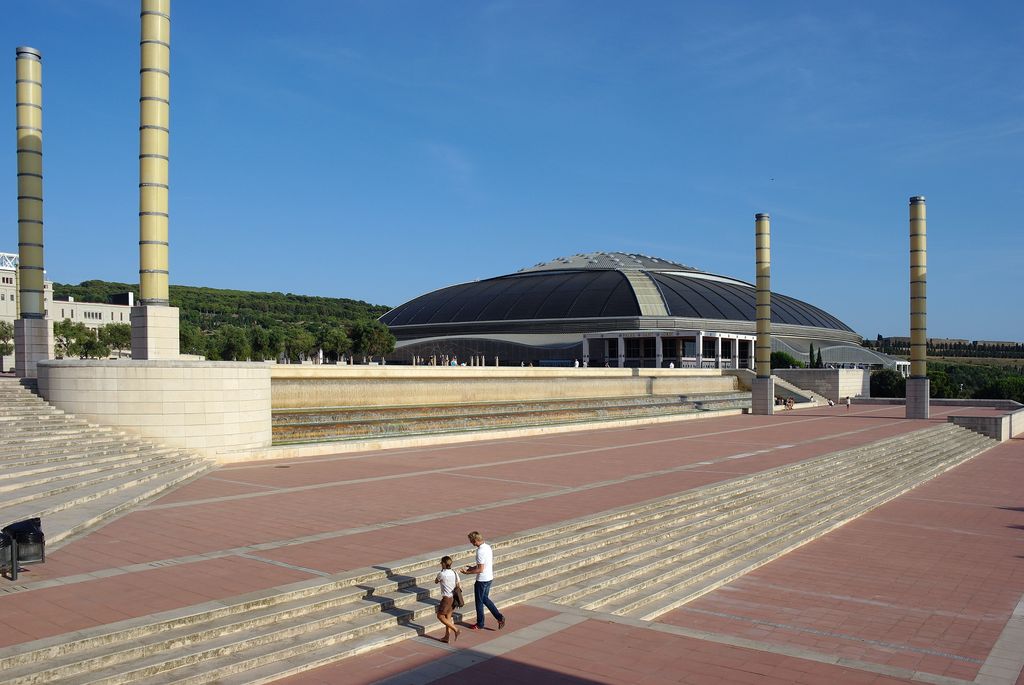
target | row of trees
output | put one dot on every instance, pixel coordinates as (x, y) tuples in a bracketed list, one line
[(956, 381), (210, 308), (75, 339), (941, 348), (243, 325), (366, 338)]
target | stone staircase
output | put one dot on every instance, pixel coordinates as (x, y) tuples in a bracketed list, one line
[(785, 389), (344, 423), (72, 473), (638, 561)]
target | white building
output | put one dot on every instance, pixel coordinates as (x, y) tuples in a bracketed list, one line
[(91, 314)]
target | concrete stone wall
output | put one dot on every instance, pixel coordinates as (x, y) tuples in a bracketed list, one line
[(1001, 428), (834, 384), (207, 407), (296, 387)]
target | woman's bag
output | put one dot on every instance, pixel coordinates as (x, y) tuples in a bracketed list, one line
[(457, 599)]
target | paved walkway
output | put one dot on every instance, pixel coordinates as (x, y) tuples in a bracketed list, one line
[(921, 589)]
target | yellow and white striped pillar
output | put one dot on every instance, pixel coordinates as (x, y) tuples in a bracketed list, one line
[(763, 391), (917, 384), (29, 107), (154, 321), (33, 333)]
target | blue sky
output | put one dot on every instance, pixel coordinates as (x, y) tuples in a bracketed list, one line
[(378, 150)]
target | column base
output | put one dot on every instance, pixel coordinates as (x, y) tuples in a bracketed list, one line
[(33, 343), (762, 395), (917, 398), (155, 332)]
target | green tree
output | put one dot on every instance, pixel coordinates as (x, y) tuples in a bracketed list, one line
[(334, 341), (116, 336), (819, 363), (299, 343), (888, 383), (260, 343), (784, 360), (91, 347), (230, 343), (810, 356), (371, 338), (191, 339), (6, 346), (73, 339)]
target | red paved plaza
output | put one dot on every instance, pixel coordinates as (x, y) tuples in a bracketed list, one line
[(921, 589)]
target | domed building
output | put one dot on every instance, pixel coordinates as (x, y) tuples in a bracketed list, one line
[(615, 309)]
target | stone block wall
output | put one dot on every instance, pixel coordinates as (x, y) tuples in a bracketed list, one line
[(296, 387), (834, 384), (207, 407)]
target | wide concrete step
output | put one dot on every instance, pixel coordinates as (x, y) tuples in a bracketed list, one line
[(268, 635), (291, 426), (44, 479), (82, 448), (673, 573), (69, 512), (93, 454), (67, 523), (74, 474)]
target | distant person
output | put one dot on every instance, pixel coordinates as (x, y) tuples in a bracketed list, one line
[(847, 403), (831, 403), (671, 365), (576, 363), (789, 403), (484, 570), (448, 580)]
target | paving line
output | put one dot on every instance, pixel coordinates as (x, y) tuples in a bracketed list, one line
[(369, 528), (504, 462), (284, 564), (842, 636), (509, 480), (1005, 662), (758, 645), (462, 659), (242, 482), (741, 585)]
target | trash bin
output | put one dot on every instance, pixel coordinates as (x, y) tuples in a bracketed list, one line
[(6, 553), (29, 541)]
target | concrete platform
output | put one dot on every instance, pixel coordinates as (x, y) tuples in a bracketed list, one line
[(920, 590)]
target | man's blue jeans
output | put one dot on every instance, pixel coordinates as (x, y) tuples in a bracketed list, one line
[(481, 598)]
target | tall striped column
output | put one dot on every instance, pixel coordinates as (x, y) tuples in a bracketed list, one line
[(29, 106), (33, 333), (154, 131), (917, 384), (154, 319), (763, 391)]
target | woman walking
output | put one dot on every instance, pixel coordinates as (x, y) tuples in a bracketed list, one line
[(448, 580)]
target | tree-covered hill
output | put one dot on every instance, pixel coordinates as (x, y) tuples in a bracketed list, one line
[(240, 324), (209, 308)]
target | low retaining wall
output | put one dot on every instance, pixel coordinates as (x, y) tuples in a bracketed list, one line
[(1002, 428), (299, 387), (207, 407), (833, 384)]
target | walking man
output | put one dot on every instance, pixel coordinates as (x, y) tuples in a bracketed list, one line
[(484, 570)]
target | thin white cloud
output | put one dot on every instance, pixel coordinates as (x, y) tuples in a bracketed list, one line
[(454, 161)]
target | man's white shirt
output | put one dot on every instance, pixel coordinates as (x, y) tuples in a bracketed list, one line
[(485, 557)]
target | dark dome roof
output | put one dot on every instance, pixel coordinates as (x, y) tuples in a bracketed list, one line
[(603, 285)]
